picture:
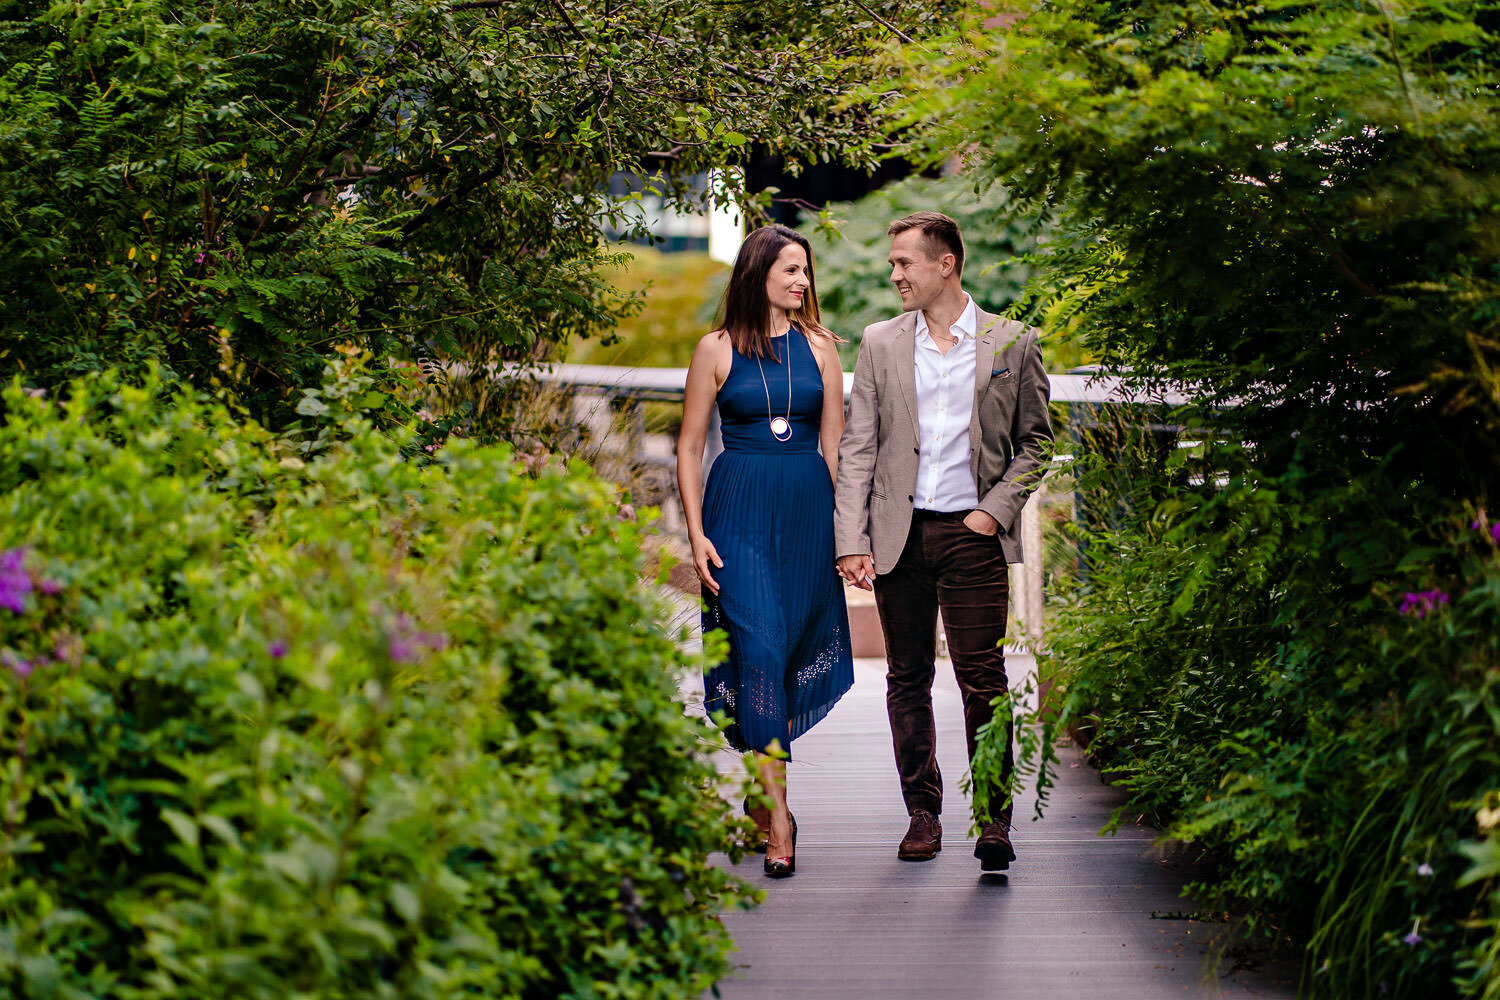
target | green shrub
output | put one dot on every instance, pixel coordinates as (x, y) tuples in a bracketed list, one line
[(1274, 678), (306, 718)]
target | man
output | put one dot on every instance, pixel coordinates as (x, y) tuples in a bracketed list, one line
[(946, 436)]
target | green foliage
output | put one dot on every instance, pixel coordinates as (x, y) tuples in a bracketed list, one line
[(182, 180), (679, 295), (300, 717), (854, 287), (1273, 676), (1288, 210), (1484, 964), (1290, 206)]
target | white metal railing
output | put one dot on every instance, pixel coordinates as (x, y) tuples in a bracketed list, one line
[(635, 385), (667, 383)]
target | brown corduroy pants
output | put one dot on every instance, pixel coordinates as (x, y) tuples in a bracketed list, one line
[(944, 565)]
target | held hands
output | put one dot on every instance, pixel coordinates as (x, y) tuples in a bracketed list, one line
[(981, 522), (704, 553), (857, 571)]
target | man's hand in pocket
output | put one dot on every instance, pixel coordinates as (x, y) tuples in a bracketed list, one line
[(979, 521)]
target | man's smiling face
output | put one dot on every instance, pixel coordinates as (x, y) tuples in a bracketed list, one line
[(917, 275)]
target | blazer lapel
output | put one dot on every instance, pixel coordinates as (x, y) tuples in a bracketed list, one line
[(984, 356), (906, 367)]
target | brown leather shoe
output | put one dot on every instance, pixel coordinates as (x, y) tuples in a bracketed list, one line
[(924, 838), (994, 850)]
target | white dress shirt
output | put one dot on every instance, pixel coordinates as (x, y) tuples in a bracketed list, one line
[(945, 402)]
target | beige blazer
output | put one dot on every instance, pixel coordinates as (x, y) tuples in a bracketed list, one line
[(1010, 436)]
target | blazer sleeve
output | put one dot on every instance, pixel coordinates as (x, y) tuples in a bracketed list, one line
[(856, 474), (1031, 436)]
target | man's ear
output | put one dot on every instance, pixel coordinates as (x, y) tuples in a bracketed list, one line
[(947, 262)]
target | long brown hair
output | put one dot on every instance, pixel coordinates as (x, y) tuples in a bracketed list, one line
[(745, 313)]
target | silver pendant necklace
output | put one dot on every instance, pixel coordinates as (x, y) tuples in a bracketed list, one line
[(781, 427)]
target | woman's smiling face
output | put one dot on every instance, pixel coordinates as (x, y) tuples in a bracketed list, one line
[(788, 280)]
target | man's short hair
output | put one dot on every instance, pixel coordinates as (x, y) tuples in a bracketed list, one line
[(939, 233)]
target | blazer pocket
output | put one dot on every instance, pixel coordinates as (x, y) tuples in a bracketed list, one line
[(879, 495), (1000, 394)]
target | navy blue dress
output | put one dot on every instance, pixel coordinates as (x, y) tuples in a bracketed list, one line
[(768, 509)]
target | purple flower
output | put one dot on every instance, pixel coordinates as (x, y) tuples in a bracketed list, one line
[(15, 582), (405, 642), (277, 649), (400, 648), (1424, 869), (1423, 602), (1495, 531), (1414, 938), (50, 586), (18, 666)]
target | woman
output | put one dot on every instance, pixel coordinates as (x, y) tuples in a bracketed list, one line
[(762, 532)]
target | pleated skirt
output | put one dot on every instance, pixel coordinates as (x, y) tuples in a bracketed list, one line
[(781, 602)]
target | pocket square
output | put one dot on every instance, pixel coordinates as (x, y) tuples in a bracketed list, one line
[(999, 372)]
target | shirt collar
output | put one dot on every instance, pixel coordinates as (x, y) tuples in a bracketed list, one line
[(962, 328)]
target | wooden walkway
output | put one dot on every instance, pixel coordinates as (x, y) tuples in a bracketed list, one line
[(1078, 915)]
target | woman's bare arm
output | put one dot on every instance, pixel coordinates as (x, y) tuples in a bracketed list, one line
[(832, 426), (706, 373)]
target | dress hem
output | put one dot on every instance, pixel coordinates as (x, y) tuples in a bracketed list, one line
[(807, 719)]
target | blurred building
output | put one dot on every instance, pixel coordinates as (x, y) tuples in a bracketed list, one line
[(714, 229)]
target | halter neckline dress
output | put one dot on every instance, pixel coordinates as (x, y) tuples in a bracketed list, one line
[(768, 509)]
